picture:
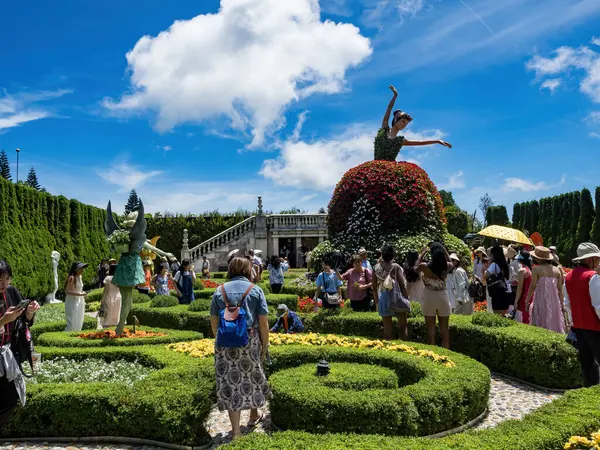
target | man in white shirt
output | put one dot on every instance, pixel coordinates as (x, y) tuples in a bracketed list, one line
[(582, 302)]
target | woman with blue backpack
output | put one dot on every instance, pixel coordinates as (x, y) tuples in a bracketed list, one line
[(239, 322)]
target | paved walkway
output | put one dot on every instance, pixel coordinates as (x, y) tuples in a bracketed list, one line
[(508, 400)]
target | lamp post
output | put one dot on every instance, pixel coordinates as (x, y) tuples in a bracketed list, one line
[(18, 151)]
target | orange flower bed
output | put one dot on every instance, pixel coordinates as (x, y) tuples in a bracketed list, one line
[(110, 334)]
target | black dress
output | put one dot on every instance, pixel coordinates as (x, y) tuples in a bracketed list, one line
[(8, 393)]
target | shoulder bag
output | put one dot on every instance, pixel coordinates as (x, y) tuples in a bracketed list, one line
[(496, 283), (332, 299), (398, 302)]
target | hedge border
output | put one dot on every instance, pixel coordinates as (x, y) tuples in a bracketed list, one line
[(433, 399), (527, 353), (61, 339), (549, 427), (170, 405)]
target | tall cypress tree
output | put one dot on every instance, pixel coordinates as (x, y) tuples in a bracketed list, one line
[(133, 202), (535, 216), (565, 224), (4, 166), (586, 217), (32, 180), (596, 226), (555, 220), (516, 216)]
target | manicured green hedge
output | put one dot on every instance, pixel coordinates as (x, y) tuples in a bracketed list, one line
[(33, 224), (170, 405), (163, 301), (529, 353), (61, 339), (95, 295), (89, 323), (548, 428), (432, 398), (201, 304)]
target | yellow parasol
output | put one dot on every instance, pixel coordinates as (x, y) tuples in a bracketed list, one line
[(506, 234)]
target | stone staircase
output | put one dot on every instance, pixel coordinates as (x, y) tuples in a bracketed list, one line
[(216, 249)]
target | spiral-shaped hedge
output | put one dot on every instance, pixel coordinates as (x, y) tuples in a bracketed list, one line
[(400, 193)]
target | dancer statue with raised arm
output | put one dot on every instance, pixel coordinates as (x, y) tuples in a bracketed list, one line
[(387, 141)]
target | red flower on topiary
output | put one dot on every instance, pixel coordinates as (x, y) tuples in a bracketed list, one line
[(405, 197)]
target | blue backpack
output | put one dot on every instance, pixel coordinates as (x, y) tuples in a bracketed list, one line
[(233, 329)]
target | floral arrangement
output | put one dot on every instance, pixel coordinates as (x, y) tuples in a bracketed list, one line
[(480, 306), (205, 347), (395, 197), (110, 334), (580, 442), (209, 284), (119, 238), (302, 281), (306, 305), (63, 370)]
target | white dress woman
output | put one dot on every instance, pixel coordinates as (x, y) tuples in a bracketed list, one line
[(75, 298)]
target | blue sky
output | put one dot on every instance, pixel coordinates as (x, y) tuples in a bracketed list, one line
[(206, 107)]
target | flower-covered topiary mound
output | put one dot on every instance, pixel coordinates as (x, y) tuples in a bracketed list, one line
[(386, 198)]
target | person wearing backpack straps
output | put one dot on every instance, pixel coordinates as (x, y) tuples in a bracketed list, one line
[(12, 384), (239, 322), (436, 302), (386, 266)]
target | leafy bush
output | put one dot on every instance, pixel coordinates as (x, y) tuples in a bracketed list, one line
[(429, 401), (51, 313), (95, 295), (170, 405), (138, 297), (201, 304), (93, 306), (547, 428), (71, 339), (403, 195), (163, 301), (486, 319)]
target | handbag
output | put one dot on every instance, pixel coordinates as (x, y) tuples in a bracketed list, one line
[(497, 284), (398, 302), (332, 299)]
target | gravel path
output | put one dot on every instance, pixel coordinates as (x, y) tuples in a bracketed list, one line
[(508, 400)]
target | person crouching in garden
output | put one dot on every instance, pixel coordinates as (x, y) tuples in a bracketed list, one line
[(359, 281), (12, 384), (75, 298), (582, 301), (239, 322), (287, 321)]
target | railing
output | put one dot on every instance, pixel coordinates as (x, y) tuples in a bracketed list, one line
[(223, 238), (296, 221)]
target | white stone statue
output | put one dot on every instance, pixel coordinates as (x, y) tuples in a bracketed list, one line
[(51, 298)]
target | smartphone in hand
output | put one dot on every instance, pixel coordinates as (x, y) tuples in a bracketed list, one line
[(23, 304)]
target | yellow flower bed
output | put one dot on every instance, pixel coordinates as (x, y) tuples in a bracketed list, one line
[(205, 347), (580, 442)]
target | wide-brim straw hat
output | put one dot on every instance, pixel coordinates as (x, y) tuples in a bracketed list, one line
[(587, 250), (542, 253), (510, 252), (481, 250), (454, 257), (362, 251)]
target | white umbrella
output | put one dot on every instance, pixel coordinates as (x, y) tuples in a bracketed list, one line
[(233, 253), (258, 252)]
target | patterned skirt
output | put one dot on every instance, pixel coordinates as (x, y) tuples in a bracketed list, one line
[(130, 271), (241, 380)]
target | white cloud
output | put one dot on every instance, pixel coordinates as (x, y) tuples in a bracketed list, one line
[(595, 41), (298, 129), (582, 60), (519, 184), (127, 176), (593, 117), (167, 148), (453, 32), (247, 62), (18, 109), (403, 8), (320, 164), (551, 84), (455, 181), (595, 134)]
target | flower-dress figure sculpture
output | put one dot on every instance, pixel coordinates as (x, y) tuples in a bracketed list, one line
[(129, 242)]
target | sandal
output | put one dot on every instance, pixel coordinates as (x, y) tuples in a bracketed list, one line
[(253, 422)]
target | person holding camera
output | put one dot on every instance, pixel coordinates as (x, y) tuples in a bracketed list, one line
[(328, 287), (12, 307)]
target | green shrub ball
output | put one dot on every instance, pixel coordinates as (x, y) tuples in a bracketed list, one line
[(163, 301)]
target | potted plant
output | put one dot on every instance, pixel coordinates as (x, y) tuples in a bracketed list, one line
[(119, 241)]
